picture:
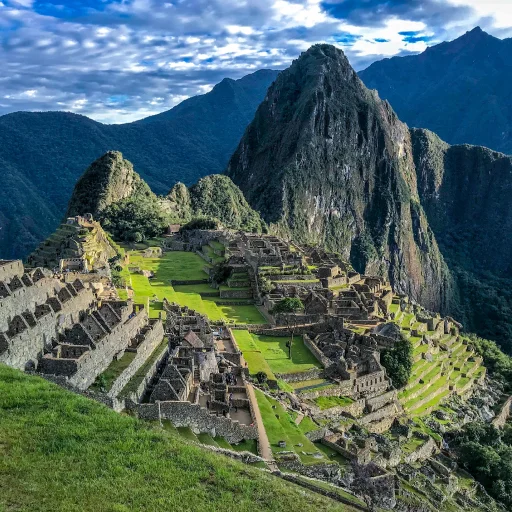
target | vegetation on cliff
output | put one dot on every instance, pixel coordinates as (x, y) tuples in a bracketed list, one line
[(108, 180), (465, 192), (122, 201), (216, 198), (486, 452), (398, 362)]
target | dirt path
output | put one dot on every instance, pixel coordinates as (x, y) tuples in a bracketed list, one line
[(264, 443)]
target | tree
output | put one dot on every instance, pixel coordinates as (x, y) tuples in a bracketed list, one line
[(398, 362), (289, 307)]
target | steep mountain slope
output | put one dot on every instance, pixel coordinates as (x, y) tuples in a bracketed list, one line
[(327, 160), (43, 153), (458, 89), (108, 180), (214, 197), (122, 201), (465, 191)]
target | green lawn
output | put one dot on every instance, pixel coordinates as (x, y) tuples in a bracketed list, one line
[(280, 426), (176, 265), (328, 402), (194, 288), (61, 452), (272, 351), (107, 378)]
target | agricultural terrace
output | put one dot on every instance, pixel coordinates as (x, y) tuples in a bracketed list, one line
[(183, 266), (448, 366), (280, 425), (269, 354)]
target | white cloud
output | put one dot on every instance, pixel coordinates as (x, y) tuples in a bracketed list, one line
[(499, 10), (150, 54)]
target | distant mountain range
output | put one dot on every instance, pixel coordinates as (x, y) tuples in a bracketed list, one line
[(42, 155), (458, 89)]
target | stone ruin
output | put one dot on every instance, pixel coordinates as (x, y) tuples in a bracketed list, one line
[(63, 329), (79, 244)]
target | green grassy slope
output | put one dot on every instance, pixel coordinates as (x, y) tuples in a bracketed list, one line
[(62, 452)]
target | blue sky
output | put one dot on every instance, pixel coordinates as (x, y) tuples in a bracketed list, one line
[(121, 60)]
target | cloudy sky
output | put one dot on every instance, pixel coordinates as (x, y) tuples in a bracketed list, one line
[(121, 60)]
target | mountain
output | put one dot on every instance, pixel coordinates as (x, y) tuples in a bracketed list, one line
[(326, 160), (108, 180), (465, 192), (129, 210), (44, 153), (458, 89)]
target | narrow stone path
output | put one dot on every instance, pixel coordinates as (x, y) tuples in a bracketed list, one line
[(299, 418), (264, 443)]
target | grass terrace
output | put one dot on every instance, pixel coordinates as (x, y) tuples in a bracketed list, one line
[(108, 377), (264, 353), (182, 266), (328, 402), (280, 426), (96, 460)]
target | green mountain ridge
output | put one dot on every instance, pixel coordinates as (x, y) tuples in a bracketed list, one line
[(44, 153), (123, 202)]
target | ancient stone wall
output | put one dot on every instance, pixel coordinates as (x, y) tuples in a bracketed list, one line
[(94, 362), (152, 339), (504, 414), (354, 409), (319, 355), (388, 411), (10, 268), (423, 452), (185, 414), (236, 294), (343, 388), (28, 346), (312, 374), (379, 401), (136, 396)]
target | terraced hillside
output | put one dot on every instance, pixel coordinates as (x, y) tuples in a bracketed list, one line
[(182, 277), (444, 364), (80, 239)]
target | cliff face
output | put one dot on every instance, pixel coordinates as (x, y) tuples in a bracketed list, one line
[(465, 191), (108, 180), (329, 162)]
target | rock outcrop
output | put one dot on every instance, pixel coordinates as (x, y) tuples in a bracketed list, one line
[(326, 160)]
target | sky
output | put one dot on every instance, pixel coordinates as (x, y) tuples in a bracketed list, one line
[(118, 61)]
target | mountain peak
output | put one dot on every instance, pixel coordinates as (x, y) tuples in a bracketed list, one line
[(107, 180)]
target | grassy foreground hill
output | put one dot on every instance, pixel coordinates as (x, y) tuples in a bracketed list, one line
[(62, 452)]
